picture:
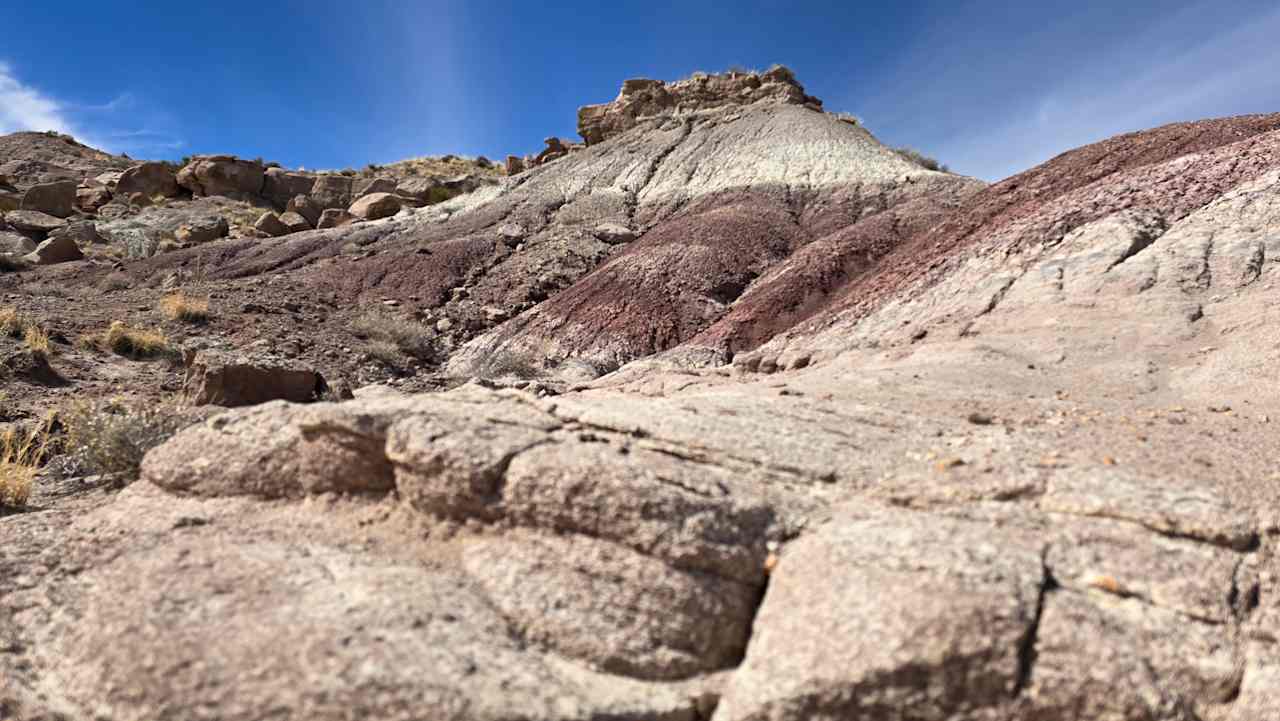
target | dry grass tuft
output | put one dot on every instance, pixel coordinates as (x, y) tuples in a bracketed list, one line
[(110, 437), (130, 342), (19, 327), (179, 306), (391, 333), (919, 158), (21, 453), (12, 323), (37, 340)]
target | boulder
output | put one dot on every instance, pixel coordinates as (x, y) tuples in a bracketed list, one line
[(295, 222), (614, 233), (109, 179), (334, 218), (332, 191), (203, 230), (90, 199), (306, 207), (15, 244), (224, 175), (58, 249), (515, 165), (83, 232), (421, 191), (270, 224), (30, 366), (33, 221), (368, 186), (230, 381), (57, 199), (280, 185), (375, 206), (140, 200), (150, 179), (10, 200)]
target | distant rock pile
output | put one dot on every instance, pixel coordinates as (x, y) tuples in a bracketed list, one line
[(642, 98)]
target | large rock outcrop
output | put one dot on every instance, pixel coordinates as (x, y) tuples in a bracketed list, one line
[(983, 454), (150, 179), (223, 175), (642, 98)]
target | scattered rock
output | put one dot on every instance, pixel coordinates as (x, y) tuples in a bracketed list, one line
[(334, 218), (368, 186), (91, 199), (219, 379), (203, 230), (271, 224), (376, 206), (305, 207), (295, 222), (33, 221), (15, 244), (150, 179), (281, 186), (614, 233), (57, 249), (223, 175), (515, 165), (83, 232), (57, 199), (332, 191)]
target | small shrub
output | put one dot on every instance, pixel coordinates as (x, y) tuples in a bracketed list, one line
[(115, 281), (510, 363), (111, 437), (19, 327), (21, 453), (12, 323), (407, 336), (131, 342), (179, 306), (439, 194), (919, 158), (36, 340)]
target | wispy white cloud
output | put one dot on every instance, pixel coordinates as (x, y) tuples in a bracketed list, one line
[(1204, 60), (23, 107), (103, 126)]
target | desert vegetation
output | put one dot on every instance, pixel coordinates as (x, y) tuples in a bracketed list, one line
[(182, 307), (112, 437), (21, 453), (19, 327), (919, 158), (129, 341), (393, 337)]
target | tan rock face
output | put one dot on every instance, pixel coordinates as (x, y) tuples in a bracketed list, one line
[(57, 199), (642, 98), (150, 179), (334, 218), (230, 382), (270, 224), (376, 206), (222, 175), (58, 249), (203, 230)]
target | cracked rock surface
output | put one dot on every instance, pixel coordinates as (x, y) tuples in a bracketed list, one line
[(976, 454)]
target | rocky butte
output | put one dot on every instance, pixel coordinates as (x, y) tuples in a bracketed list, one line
[(727, 412)]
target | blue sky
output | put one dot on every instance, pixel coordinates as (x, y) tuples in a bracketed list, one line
[(990, 88)]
